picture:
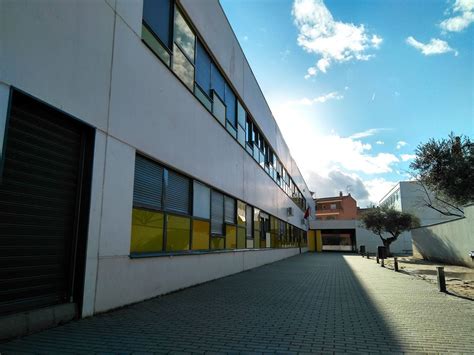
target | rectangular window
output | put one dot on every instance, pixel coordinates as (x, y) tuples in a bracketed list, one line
[(201, 200), (241, 213), (217, 243), (231, 104), (229, 210), (241, 238), (184, 36), (178, 233), (201, 96), (218, 108), (249, 219), (157, 16), (241, 114), (155, 45), (230, 237), (256, 227), (203, 68), (147, 231), (183, 68), (177, 193), (217, 213), (217, 81), (148, 184), (241, 136), (201, 232)]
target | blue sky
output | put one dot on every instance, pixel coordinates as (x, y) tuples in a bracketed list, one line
[(369, 79)]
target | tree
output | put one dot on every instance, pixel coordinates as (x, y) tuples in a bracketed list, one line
[(446, 167), (383, 220)]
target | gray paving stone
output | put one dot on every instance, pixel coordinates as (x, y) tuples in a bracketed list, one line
[(313, 303)]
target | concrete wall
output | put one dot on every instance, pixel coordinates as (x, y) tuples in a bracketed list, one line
[(448, 242), (87, 59), (402, 246)]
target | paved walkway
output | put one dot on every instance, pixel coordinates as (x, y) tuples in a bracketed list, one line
[(309, 303)]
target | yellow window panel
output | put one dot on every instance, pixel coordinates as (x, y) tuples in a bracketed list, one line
[(217, 243), (201, 233), (231, 237), (178, 233), (241, 238), (147, 231)]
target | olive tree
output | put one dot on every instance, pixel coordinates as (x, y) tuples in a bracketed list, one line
[(388, 224), (446, 167)]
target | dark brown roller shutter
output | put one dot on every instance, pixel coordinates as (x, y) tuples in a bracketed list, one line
[(39, 194)]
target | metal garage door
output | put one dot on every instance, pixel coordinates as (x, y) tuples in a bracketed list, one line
[(39, 206)]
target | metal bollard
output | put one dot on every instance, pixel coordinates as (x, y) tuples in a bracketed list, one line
[(377, 256), (382, 264), (368, 255), (441, 279), (395, 264)]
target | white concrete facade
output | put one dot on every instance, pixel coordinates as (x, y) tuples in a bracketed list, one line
[(87, 59)]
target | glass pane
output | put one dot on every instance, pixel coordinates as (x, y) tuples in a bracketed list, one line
[(155, 46), (256, 218), (200, 235), (231, 129), (241, 136), (249, 218), (230, 102), (203, 68), (217, 243), (240, 238), (241, 213), (157, 15), (183, 35), (198, 92), (231, 237), (178, 233), (147, 231), (201, 200), (240, 115), (217, 213), (218, 108), (217, 81), (249, 243), (183, 68), (256, 238), (229, 213)]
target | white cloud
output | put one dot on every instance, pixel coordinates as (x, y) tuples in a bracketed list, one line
[(333, 41), (401, 144), (367, 133), (380, 142), (373, 97), (407, 157), (463, 11), (435, 46), (320, 99), (378, 188), (245, 38)]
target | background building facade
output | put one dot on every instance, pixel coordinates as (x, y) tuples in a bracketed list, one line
[(140, 156)]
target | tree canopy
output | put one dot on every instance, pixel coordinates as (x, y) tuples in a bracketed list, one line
[(446, 167), (383, 220)]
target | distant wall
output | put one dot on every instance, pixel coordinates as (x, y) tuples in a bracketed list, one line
[(447, 242), (402, 246)]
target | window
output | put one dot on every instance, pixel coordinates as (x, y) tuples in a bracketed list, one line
[(201, 200), (230, 237), (178, 229), (203, 68), (249, 226), (147, 231), (177, 193), (217, 213), (217, 81), (183, 50), (156, 27), (229, 210), (332, 206), (256, 227), (218, 108), (157, 16), (231, 104), (183, 67), (201, 231), (148, 184)]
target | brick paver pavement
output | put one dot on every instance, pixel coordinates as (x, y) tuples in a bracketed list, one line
[(309, 303)]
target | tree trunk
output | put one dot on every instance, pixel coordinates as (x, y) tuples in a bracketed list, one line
[(386, 244)]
